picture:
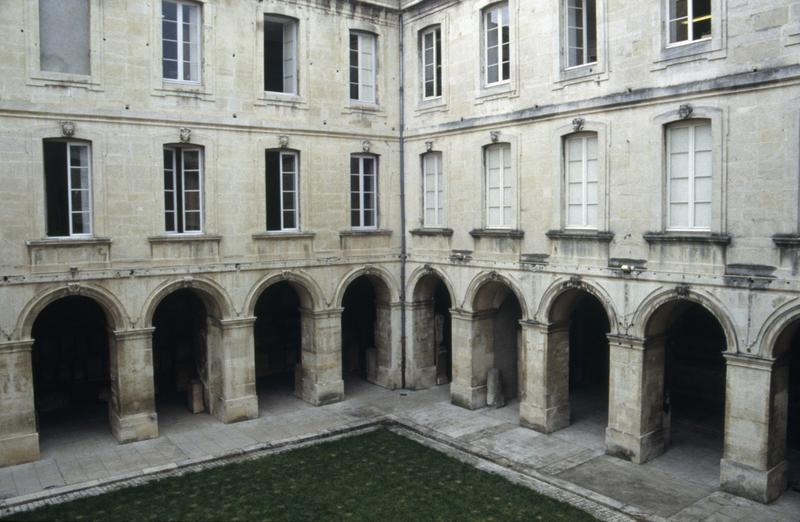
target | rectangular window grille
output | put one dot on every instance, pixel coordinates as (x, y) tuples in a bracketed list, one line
[(180, 41), (432, 63), (499, 193), (689, 20), (363, 191), (183, 190), (362, 67), (581, 32), (282, 190), (581, 182), (68, 188), (280, 55), (689, 165), (433, 189), (497, 38)]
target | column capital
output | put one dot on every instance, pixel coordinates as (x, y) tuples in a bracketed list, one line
[(748, 361), (21, 346), (134, 333), (628, 341), (237, 322), (532, 323), (322, 314)]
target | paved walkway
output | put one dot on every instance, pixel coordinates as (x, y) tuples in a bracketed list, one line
[(570, 464)]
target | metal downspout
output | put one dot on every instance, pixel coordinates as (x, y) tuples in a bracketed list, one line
[(402, 211)]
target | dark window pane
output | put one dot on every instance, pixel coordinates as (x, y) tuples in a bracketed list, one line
[(169, 10), (273, 190), (273, 56), (353, 165), (55, 177), (288, 220), (354, 219)]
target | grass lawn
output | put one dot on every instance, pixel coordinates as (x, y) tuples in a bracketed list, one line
[(378, 476)]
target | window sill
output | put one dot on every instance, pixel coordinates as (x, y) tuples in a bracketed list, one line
[(357, 107), (69, 241), (365, 232), (45, 78), (508, 233), (493, 92), (187, 90), (710, 49), (580, 235), (170, 238), (707, 238), (446, 232), (584, 73), (431, 105), (283, 235), (534, 260), (281, 99)]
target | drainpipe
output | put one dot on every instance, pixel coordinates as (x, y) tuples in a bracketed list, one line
[(402, 211)]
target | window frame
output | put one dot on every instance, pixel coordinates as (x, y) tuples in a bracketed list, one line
[(438, 203), (436, 31), (373, 39), (361, 192), (68, 144), (691, 203), (176, 150), (583, 137), (198, 47), (689, 12), (296, 192), (294, 23), (511, 186), (485, 13), (584, 42)]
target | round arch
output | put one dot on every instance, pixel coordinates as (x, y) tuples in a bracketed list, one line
[(484, 278), (652, 304), (115, 313), (307, 289), (418, 275), (214, 296), (373, 272), (551, 297), (779, 322)]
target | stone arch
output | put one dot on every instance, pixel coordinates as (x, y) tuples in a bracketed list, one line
[(647, 311), (386, 289), (780, 325), (216, 299), (309, 292), (419, 275), (552, 301), (477, 298), (116, 315)]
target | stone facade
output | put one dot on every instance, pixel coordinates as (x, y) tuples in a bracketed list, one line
[(742, 269)]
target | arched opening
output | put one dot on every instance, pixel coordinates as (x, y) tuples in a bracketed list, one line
[(580, 328), (366, 331), (431, 321), (786, 376), (690, 341), (180, 354), (497, 341), (278, 340), (71, 368)]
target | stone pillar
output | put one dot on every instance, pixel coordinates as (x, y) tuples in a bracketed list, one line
[(388, 329), (635, 398), (473, 355), (232, 370), (545, 406), (421, 358), (19, 440), (321, 357), (754, 463), (132, 411)]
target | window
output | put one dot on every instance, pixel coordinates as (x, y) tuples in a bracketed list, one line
[(581, 181), (183, 189), (60, 50), (68, 188), (180, 44), (362, 67), (280, 52), (497, 164), (363, 191), (433, 189), (497, 40), (689, 20), (282, 170), (689, 170), (432, 63), (581, 32)]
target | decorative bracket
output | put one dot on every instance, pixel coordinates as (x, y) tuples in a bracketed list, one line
[(682, 291), (685, 111), (429, 146), (366, 145), (494, 136), (283, 141), (577, 124), (67, 129), (185, 135), (574, 282)]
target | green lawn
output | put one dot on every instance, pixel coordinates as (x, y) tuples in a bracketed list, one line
[(378, 476)]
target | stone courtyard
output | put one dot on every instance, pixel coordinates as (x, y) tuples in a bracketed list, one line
[(682, 484)]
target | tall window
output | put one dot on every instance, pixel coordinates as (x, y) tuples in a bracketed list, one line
[(68, 188), (280, 55), (581, 32), (431, 63), (362, 66), (180, 40), (689, 164), (689, 20), (499, 194), (581, 182), (183, 189), (433, 189), (282, 168), (363, 191), (497, 38), (60, 50)]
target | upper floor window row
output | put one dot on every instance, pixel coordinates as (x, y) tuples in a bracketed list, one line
[(689, 20), (497, 44), (180, 40)]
